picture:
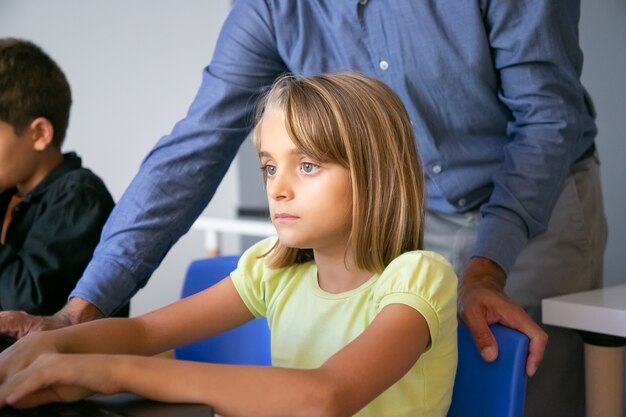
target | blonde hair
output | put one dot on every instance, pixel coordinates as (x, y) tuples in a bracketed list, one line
[(361, 124)]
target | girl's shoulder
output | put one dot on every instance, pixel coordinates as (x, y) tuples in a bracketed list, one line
[(425, 281), (253, 262), (419, 262), (424, 273)]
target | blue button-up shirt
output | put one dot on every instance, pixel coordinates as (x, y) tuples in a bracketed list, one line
[(492, 88)]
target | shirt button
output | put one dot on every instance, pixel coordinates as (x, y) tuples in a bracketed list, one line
[(437, 169), (462, 202), (363, 2), (383, 65)]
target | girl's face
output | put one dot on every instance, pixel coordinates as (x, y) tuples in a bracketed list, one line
[(310, 202)]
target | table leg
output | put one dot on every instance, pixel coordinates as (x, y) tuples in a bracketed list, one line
[(604, 376)]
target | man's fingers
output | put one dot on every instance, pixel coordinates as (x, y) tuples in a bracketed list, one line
[(536, 349), (522, 322), (483, 338), (17, 324)]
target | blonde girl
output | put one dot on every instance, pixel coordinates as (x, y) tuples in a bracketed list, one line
[(363, 322)]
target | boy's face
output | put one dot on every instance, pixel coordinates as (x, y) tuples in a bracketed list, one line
[(17, 157)]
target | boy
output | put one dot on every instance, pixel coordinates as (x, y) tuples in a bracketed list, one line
[(52, 209)]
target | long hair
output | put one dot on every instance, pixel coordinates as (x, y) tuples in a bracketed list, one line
[(361, 124)]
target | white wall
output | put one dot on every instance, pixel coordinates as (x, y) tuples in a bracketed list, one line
[(603, 39), (134, 67)]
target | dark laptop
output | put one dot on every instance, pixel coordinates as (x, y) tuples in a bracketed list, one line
[(118, 405)]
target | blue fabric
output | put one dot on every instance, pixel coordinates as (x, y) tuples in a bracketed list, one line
[(492, 88)]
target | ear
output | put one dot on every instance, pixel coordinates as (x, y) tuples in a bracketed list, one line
[(42, 133)]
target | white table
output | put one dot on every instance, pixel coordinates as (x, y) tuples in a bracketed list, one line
[(601, 313), (214, 227)]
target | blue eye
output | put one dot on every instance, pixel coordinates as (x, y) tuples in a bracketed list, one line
[(308, 167), (269, 170)]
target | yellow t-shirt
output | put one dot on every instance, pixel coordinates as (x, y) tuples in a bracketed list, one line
[(309, 325)]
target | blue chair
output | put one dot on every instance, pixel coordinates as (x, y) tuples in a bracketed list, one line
[(245, 345), (490, 389)]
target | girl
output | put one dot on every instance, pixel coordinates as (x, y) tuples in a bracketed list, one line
[(362, 321)]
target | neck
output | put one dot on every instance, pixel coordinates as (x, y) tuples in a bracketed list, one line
[(337, 272), (46, 164)]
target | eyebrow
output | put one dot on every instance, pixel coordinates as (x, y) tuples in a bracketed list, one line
[(295, 151)]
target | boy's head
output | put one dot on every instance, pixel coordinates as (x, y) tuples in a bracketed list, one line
[(35, 101), (32, 86)]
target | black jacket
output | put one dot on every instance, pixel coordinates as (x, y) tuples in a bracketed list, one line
[(51, 237)]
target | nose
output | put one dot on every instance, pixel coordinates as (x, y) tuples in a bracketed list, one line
[(279, 187)]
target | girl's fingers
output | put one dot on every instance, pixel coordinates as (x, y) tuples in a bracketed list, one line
[(49, 378)]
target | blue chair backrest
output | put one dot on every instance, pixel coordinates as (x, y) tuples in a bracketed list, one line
[(490, 389), (245, 345)]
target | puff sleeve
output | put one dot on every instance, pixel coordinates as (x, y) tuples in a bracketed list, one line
[(424, 281)]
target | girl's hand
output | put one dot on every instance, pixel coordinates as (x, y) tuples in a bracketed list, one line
[(55, 377), (24, 352)]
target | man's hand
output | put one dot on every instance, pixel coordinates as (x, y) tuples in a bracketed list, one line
[(17, 324), (482, 302)]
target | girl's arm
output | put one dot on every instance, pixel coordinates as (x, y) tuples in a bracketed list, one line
[(349, 380), (209, 312), (344, 384)]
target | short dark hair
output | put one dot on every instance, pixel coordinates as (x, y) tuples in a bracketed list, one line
[(32, 85)]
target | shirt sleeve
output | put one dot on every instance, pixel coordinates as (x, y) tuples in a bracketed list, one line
[(38, 276), (181, 173), (253, 280), (537, 55), (424, 281)]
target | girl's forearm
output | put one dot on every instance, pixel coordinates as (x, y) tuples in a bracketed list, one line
[(114, 335), (232, 390), (209, 312)]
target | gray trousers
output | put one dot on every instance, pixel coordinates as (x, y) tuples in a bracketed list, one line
[(567, 258)]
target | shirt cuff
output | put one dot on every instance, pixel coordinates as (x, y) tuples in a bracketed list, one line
[(107, 292), (500, 240)]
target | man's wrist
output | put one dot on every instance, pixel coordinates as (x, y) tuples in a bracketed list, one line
[(484, 272), (78, 311)]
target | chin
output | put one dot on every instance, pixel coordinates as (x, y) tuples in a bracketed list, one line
[(292, 242)]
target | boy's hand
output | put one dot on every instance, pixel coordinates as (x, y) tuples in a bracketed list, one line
[(17, 324)]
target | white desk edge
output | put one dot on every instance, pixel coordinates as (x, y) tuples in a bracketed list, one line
[(599, 311)]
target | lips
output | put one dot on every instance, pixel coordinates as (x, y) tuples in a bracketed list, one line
[(284, 218)]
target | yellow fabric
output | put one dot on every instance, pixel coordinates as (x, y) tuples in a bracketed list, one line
[(308, 325)]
